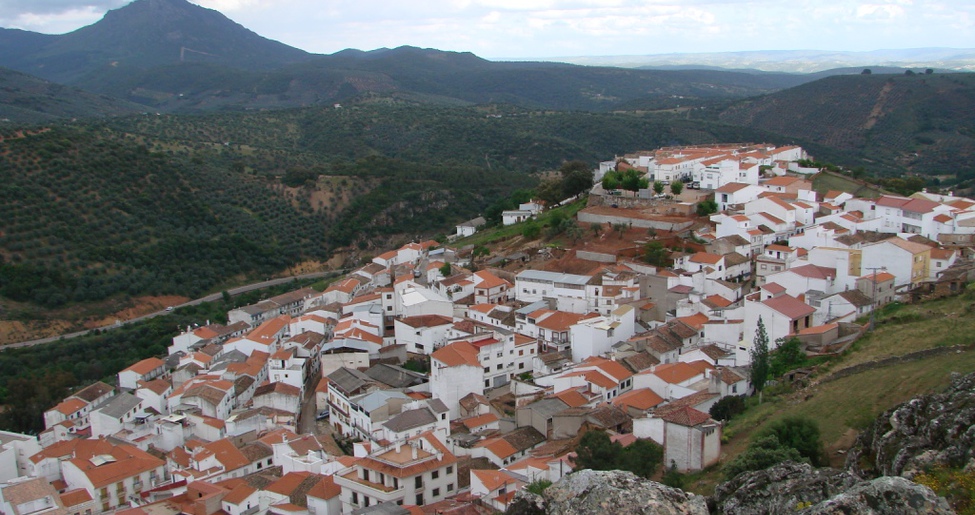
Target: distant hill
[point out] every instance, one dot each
(795, 61)
(920, 123)
(171, 55)
(143, 35)
(27, 99)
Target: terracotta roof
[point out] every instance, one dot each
(226, 454)
(560, 320)
(128, 461)
(499, 447)
(790, 306)
(685, 416)
(93, 391)
(239, 494)
(881, 277)
(70, 406)
(717, 301)
(457, 354)
(731, 187)
(612, 368)
(145, 366)
(910, 246)
(675, 373)
(572, 398)
(75, 497)
(480, 420)
(642, 399)
(819, 329)
(325, 488)
(493, 479)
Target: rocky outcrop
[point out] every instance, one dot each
(798, 488)
(883, 496)
(783, 488)
(601, 492)
(937, 429)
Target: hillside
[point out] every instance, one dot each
(180, 205)
(172, 55)
(27, 99)
(144, 34)
(920, 123)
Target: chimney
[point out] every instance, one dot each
(413, 447)
(399, 445)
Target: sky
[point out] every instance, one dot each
(497, 29)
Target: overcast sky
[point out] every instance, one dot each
(554, 28)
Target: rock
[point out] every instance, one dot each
(620, 493)
(526, 503)
(798, 488)
(783, 488)
(883, 496)
(936, 429)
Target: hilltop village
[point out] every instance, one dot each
(454, 379)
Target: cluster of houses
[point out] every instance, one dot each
(453, 389)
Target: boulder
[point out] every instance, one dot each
(884, 496)
(591, 492)
(783, 488)
(936, 429)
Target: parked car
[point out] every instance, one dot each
(322, 415)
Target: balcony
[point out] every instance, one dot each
(378, 491)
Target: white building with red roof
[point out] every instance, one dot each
(416, 472)
(782, 315)
(422, 334)
(489, 288)
(595, 336)
(145, 370)
(115, 475)
(690, 438)
(598, 376)
(495, 488)
(456, 371)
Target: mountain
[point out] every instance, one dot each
(142, 35)
(795, 61)
(171, 55)
(27, 99)
(920, 123)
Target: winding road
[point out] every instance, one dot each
(209, 298)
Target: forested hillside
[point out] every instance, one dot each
(918, 123)
(180, 205)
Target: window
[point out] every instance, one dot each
(487, 370)
(521, 366)
(487, 384)
(355, 498)
(436, 492)
(418, 482)
(521, 352)
(450, 469)
(499, 366)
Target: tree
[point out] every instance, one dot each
(908, 72)
(597, 452)
(658, 187)
(760, 359)
(787, 356)
(656, 254)
(866, 71)
(596, 228)
(928, 71)
(642, 458)
(572, 230)
(707, 207)
(799, 433)
(727, 407)
(761, 454)
(576, 178)
(676, 187)
(620, 228)
(445, 270)
(531, 231)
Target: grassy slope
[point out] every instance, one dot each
(846, 405)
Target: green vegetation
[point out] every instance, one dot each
(760, 359)
(886, 123)
(539, 486)
(727, 407)
(763, 453)
(597, 452)
(956, 485)
(629, 179)
(33, 379)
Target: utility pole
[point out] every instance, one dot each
(873, 307)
